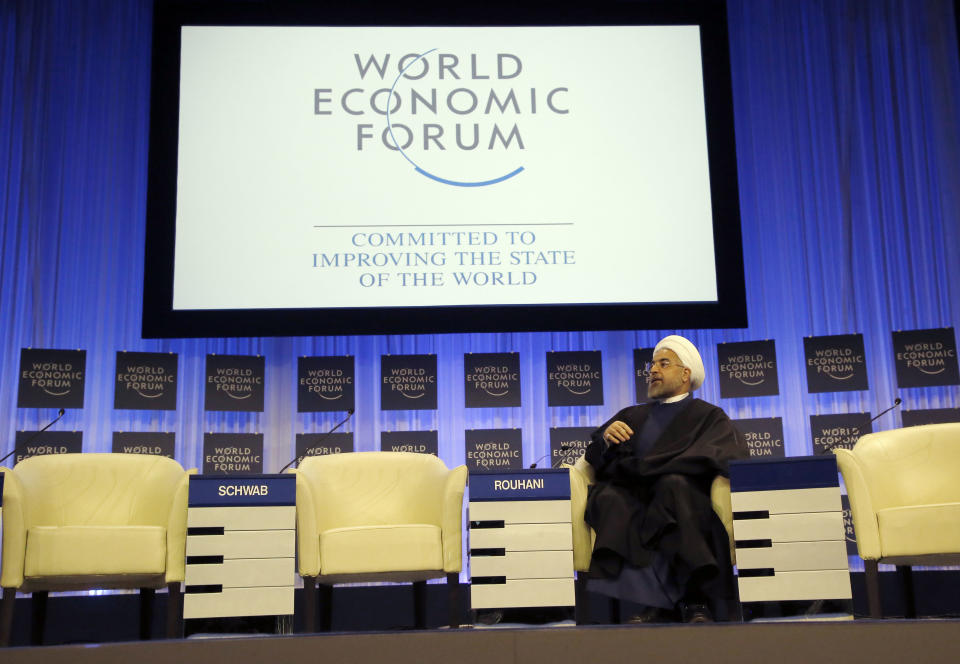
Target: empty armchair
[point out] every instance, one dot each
(378, 516)
(84, 521)
(905, 501)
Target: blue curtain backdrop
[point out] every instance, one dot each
(847, 117)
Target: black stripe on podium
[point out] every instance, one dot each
(479, 525)
(488, 580)
(198, 590)
(754, 544)
(759, 571)
(204, 560)
(206, 530)
(479, 553)
(744, 516)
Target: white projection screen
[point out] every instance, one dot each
(320, 171)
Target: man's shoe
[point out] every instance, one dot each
(653, 615)
(696, 613)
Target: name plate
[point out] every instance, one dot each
(806, 472)
(526, 484)
(248, 490)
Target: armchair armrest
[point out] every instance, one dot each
(723, 508)
(14, 531)
(308, 539)
(583, 535)
(451, 525)
(861, 505)
(177, 532)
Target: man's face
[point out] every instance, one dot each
(668, 378)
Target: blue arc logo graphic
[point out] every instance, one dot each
(396, 143)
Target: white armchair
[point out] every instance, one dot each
(905, 501)
(82, 521)
(378, 516)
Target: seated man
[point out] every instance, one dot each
(659, 543)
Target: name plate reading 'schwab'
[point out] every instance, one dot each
(258, 490)
(241, 546)
(527, 484)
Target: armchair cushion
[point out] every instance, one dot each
(919, 530)
(69, 551)
(399, 548)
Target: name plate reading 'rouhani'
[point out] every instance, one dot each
(256, 490)
(527, 484)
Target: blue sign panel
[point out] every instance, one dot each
(246, 490)
(526, 484)
(806, 472)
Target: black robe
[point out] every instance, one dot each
(659, 503)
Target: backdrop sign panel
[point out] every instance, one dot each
(51, 378)
(145, 381)
(574, 378)
(913, 418)
(567, 444)
(422, 442)
(641, 357)
(232, 453)
(841, 430)
(158, 443)
(408, 382)
(748, 369)
(48, 442)
(764, 436)
(835, 363)
(321, 444)
(926, 358)
(325, 384)
(234, 382)
(493, 449)
(491, 380)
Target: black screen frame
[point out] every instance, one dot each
(161, 320)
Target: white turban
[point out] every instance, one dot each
(688, 354)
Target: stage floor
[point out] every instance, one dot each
(894, 641)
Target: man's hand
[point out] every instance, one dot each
(618, 432)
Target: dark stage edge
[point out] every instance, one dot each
(870, 641)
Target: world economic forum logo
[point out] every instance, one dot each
(422, 171)
(458, 119)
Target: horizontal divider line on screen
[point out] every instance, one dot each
(753, 544)
(204, 560)
(212, 530)
(480, 525)
(544, 223)
(481, 553)
(200, 590)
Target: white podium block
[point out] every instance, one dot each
(241, 543)
(521, 539)
(788, 527)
